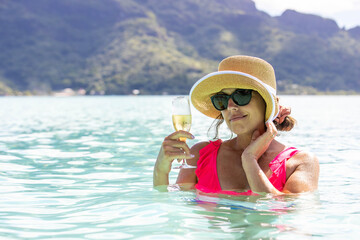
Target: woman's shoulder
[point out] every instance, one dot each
(297, 157)
(304, 160)
(297, 154)
(200, 145)
(305, 157)
(302, 172)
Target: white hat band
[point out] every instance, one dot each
(270, 89)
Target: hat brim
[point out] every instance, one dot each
(212, 83)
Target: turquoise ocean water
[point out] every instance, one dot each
(81, 168)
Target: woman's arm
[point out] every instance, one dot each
(257, 179)
(171, 148)
(187, 177)
(304, 178)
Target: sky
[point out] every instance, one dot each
(345, 12)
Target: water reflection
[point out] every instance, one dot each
(255, 217)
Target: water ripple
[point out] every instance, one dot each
(81, 168)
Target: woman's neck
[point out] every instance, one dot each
(243, 140)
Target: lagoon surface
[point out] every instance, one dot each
(81, 168)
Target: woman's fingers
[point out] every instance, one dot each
(180, 134)
(268, 136)
(271, 130)
(174, 148)
(260, 143)
(170, 145)
(179, 155)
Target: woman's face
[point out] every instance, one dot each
(244, 119)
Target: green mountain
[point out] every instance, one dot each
(164, 46)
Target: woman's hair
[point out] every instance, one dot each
(216, 125)
(288, 124)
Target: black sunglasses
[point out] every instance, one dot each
(240, 97)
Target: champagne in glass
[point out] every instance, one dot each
(181, 117)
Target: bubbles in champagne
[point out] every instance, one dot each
(182, 122)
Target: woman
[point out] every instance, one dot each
(243, 94)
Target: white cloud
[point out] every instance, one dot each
(345, 12)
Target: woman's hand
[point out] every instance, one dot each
(260, 143)
(257, 179)
(173, 148)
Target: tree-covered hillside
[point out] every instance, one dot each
(163, 46)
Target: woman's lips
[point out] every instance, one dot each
(236, 118)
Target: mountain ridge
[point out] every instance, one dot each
(164, 47)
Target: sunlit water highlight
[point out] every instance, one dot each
(81, 168)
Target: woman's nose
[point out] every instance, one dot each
(232, 105)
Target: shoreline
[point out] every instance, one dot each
(69, 92)
(335, 93)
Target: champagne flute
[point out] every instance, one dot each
(181, 117)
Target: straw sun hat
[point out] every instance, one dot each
(237, 72)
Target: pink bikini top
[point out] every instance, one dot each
(208, 180)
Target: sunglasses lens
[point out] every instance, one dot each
(242, 97)
(220, 101)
